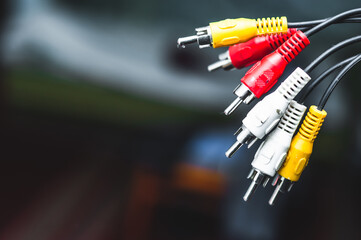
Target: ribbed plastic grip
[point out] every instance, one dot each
(290, 87)
(312, 123)
(293, 46)
(271, 25)
(247, 53)
(276, 40)
(292, 117)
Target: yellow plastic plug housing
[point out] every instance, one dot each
(302, 145)
(299, 153)
(232, 31)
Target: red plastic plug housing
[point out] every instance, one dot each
(265, 73)
(245, 54)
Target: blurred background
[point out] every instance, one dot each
(111, 132)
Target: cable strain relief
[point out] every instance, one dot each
(293, 84)
(312, 123)
(271, 25)
(292, 117)
(276, 40)
(293, 46)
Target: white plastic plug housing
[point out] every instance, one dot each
(266, 114)
(273, 151)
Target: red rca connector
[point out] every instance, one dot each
(265, 73)
(244, 54)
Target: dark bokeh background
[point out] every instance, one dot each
(111, 132)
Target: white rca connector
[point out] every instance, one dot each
(273, 151)
(265, 115)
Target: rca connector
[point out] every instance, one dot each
(265, 115)
(244, 54)
(272, 152)
(232, 31)
(299, 152)
(264, 74)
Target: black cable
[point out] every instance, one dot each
(316, 22)
(303, 29)
(334, 83)
(309, 88)
(332, 20)
(331, 50)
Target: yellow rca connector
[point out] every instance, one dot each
(299, 152)
(232, 31)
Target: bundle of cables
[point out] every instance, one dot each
(270, 44)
